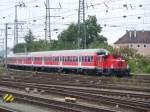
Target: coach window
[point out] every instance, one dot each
(57, 58)
(37, 59)
(89, 58)
(31, 58)
(40, 59)
(86, 58)
(76, 59)
(62, 58)
(70, 58)
(51, 58)
(45, 58)
(82, 58)
(73, 58)
(65, 58)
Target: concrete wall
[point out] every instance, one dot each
(143, 49)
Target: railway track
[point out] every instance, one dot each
(49, 88)
(53, 104)
(73, 82)
(141, 79)
(89, 95)
(3, 109)
(87, 88)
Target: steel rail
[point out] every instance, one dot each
(135, 104)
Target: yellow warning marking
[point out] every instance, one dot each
(5, 96)
(8, 97)
(12, 99)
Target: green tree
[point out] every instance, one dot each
(19, 48)
(29, 38)
(68, 39)
(93, 31)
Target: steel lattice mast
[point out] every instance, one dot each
(47, 21)
(81, 25)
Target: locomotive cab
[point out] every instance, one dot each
(110, 65)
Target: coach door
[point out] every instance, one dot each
(60, 61)
(79, 61)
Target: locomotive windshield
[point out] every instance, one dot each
(102, 52)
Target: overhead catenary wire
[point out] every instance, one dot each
(99, 6)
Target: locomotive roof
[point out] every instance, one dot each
(62, 52)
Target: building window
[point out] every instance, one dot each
(138, 45)
(145, 46)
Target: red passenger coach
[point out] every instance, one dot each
(98, 61)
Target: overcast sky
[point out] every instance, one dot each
(108, 12)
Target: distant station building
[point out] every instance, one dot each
(139, 40)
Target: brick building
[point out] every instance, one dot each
(139, 40)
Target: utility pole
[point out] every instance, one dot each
(48, 20)
(2, 46)
(16, 26)
(81, 25)
(22, 4)
(6, 34)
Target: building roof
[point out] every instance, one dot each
(134, 37)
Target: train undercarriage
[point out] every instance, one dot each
(85, 71)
